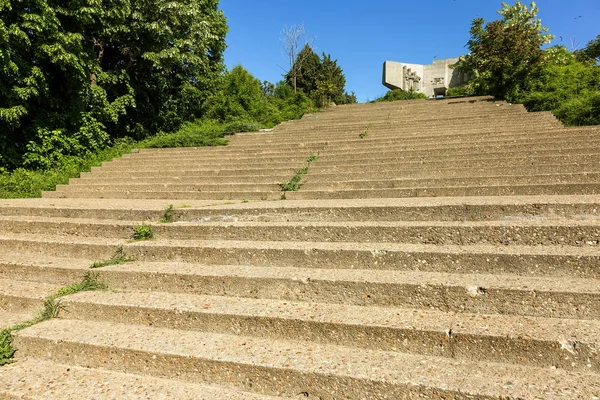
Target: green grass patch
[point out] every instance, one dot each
(142, 232)
(51, 309)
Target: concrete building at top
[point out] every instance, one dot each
(432, 79)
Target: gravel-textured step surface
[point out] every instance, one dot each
(433, 249)
(33, 379)
(476, 337)
(284, 367)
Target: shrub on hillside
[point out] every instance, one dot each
(397, 94)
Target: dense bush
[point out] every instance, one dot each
(240, 105)
(571, 92)
(77, 75)
(466, 90)
(397, 94)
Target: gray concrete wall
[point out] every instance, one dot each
(430, 79)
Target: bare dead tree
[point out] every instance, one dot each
(293, 39)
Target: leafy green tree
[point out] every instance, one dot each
(307, 72)
(322, 79)
(591, 52)
(77, 74)
(504, 53)
(571, 91)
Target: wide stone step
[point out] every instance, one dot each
(9, 319)
(50, 270)
(471, 152)
(361, 151)
(32, 378)
(118, 177)
(191, 171)
(171, 195)
(409, 139)
(310, 183)
(549, 232)
(552, 297)
(17, 296)
(389, 172)
(473, 337)
(450, 191)
(286, 367)
(168, 187)
(476, 258)
(401, 142)
(406, 209)
(180, 164)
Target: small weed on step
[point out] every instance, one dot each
(142, 232)
(294, 184)
(118, 258)
(168, 215)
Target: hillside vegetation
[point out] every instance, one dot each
(507, 59)
(82, 85)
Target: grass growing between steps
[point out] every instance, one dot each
(167, 217)
(293, 185)
(142, 232)
(118, 258)
(51, 309)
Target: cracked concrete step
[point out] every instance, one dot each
(35, 379)
(477, 258)
(287, 368)
(18, 296)
(551, 297)
(526, 208)
(543, 342)
(528, 233)
(154, 195)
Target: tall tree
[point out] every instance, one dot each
(76, 73)
(294, 39)
(591, 52)
(504, 53)
(322, 79)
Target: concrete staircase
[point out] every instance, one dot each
(445, 250)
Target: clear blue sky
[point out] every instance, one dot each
(362, 34)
